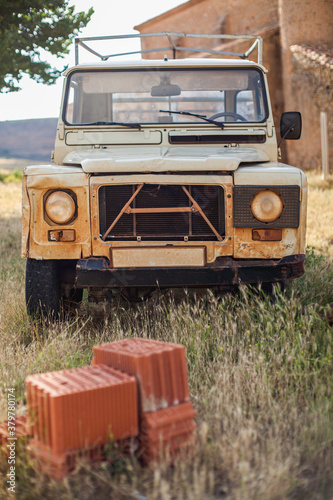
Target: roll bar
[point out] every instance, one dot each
(172, 38)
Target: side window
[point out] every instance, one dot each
(70, 105)
(87, 108)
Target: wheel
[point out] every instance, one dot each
(233, 115)
(42, 288)
(49, 289)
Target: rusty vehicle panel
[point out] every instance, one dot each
(40, 244)
(165, 173)
(213, 249)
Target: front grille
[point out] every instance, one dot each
(243, 217)
(161, 226)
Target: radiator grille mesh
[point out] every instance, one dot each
(161, 226)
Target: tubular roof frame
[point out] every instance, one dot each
(257, 43)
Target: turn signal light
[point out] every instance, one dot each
(62, 235)
(267, 234)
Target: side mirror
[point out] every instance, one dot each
(291, 125)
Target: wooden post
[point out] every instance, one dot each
(324, 144)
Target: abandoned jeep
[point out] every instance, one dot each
(165, 174)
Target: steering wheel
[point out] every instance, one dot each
(234, 115)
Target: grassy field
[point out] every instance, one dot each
(260, 377)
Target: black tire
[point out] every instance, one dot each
(42, 288)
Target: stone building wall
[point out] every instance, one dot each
(311, 84)
(307, 84)
(215, 16)
(294, 85)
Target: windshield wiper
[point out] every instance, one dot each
(202, 117)
(121, 124)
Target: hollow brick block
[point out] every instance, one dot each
(166, 432)
(60, 465)
(159, 367)
(78, 409)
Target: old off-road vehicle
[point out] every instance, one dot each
(165, 174)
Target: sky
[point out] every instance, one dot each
(111, 17)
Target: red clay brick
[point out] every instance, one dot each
(60, 465)
(167, 431)
(74, 409)
(160, 369)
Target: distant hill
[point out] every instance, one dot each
(29, 139)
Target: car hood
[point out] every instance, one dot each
(164, 159)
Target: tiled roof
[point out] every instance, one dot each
(314, 55)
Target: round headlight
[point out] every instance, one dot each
(267, 206)
(60, 207)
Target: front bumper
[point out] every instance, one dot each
(225, 271)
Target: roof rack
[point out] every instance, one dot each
(172, 39)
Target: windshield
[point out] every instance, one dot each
(165, 96)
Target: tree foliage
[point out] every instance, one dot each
(27, 27)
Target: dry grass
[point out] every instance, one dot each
(260, 378)
(320, 214)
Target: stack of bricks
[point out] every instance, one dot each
(166, 413)
(75, 412)
(135, 387)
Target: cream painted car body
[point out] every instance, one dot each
(87, 157)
